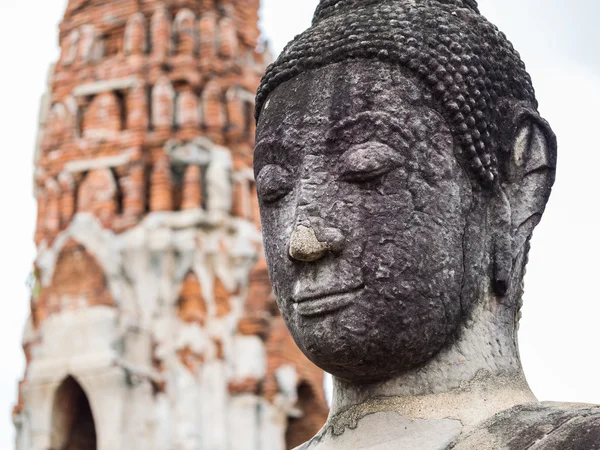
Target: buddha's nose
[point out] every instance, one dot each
(308, 244)
(304, 245)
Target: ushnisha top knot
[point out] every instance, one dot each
(471, 70)
(329, 7)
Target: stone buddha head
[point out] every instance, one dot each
(401, 167)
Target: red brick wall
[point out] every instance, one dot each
(78, 282)
(172, 71)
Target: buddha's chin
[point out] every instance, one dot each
(359, 355)
(358, 336)
(358, 368)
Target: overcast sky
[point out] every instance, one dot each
(559, 41)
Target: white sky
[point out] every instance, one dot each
(559, 42)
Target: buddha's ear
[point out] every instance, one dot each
(529, 173)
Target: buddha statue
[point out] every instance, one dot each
(401, 166)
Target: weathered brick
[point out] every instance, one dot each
(134, 79)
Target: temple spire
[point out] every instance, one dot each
(151, 290)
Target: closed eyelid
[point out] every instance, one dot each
(383, 151)
(269, 168)
(273, 182)
(368, 160)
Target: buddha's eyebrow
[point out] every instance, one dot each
(264, 145)
(277, 150)
(280, 143)
(374, 122)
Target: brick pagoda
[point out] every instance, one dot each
(152, 323)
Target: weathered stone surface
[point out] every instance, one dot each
(391, 430)
(153, 324)
(401, 167)
(350, 174)
(541, 426)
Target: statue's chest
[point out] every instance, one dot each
(390, 431)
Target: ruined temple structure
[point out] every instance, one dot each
(152, 324)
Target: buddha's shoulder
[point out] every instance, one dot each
(540, 426)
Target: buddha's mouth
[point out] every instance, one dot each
(325, 303)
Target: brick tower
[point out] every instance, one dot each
(152, 323)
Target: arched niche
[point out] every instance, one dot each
(239, 114)
(73, 426)
(301, 429)
(160, 32)
(163, 97)
(185, 34)
(207, 27)
(99, 194)
(78, 282)
(192, 189)
(213, 111)
(136, 39)
(104, 116)
(187, 113)
(90, 46)
(228, 43)
(161, 186)
(69, 47)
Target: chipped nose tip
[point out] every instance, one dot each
(304, 245)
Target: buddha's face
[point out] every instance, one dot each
(363, 205)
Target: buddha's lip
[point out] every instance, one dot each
(320, 304)
(311, 296)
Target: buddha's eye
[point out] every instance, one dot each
(366, 162)
(273, 182)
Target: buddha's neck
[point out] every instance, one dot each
(477, 376)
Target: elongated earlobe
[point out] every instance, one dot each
(502, 244)
(520, 200)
